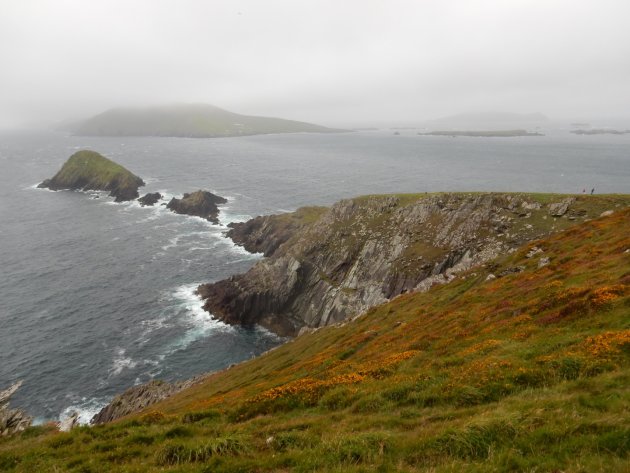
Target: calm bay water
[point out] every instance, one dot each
(97, 296)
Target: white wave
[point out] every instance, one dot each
(121, 362)
(85, 407)
(172, 243)
(198, 322)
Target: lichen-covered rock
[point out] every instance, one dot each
(12, 420)
(558, 209)
(89, 170)
(199, 204)
(326, 265)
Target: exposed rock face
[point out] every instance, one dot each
(558, 209)
(138, 397)
(199, 204)
(150, 199)
(88, 170)
(266, 233)
(362, 252)
(12, 420)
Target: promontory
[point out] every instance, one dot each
(89, 170)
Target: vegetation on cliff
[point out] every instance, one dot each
(524, 372)
(89, 170)
(187, 120)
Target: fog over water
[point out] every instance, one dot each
(349, 63)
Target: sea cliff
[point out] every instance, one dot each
(324, 265)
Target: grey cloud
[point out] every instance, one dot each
(333, 62)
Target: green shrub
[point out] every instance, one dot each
(338, 398)
(173, 454)
(8, 461)
(191, 417)
(178, 432)
(474, 441)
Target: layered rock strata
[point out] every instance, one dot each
(341, 261)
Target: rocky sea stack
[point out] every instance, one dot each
(198, 204)
(150, 199)
(89, 170)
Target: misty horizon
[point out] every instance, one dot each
(340, 65)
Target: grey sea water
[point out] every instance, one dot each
(97, 296)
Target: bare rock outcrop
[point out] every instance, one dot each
(139, 397)
(12, 420)
(199, 204)
(361, 252)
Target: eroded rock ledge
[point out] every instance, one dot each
(139, 397)
(326, 265)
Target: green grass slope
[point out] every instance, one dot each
(187, 120)
(89, 170)
(526, 372)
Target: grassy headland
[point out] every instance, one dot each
(524, 372)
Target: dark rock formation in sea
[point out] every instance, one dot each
(325, 265)
(89, 170)
(150, 199)
(199, 204)
(12, 420)
(139, 397)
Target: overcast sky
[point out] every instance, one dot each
(338, 62)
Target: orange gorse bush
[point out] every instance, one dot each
(604, 295)
(607, 343)
(481, 347)
(310, 389)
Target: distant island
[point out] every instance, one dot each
(489, 121)
(89, 170)
(484, 134)
(600, 131)
(187, 120)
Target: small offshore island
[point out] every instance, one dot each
(88, 170)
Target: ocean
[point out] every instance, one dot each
(97, 296)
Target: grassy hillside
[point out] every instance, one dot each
(187, 120)
(525, 372)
